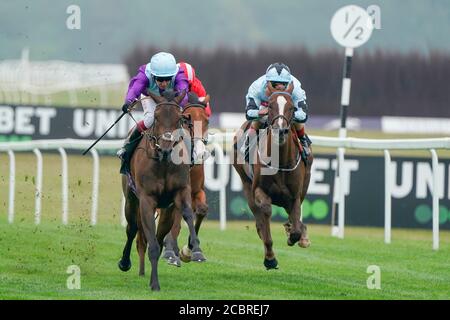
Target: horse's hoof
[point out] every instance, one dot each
(293, 239)
(155, 287)
(174, 261)
(141, 274)
(124, 266)
(185, 254)
(271, 264)
(304, 243)
(169, 255)
(198, 257)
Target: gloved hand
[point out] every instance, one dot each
(125, 107)
(263, 112)
(300, 115)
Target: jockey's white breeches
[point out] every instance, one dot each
(149, 106)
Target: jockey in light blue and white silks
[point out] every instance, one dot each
(279, 75)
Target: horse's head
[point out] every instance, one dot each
(196, 112)
(280, 111)
(168, 120)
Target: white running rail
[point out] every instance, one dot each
(218, 140)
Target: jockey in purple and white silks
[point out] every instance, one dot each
(161, 74)
(279, 75)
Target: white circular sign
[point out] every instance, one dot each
(351, 26)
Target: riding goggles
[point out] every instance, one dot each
(275, 83)
(163, 79)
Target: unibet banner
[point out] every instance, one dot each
(41, 122)
(364, 200)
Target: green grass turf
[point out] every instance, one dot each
(34, 260)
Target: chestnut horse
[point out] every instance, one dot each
(197, 114)
(281, 179)
(198, 120)
(158, 182)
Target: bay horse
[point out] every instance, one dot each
(283, 184)
(195, 112)
(157, 182)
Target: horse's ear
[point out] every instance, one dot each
(158, 99)
(290, 88)
(205, 100)
(180, 97)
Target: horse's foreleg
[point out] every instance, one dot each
(294, 227)
(183, 201)
(147, 209)
(262, 210)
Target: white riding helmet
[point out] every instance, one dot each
(278, 72)
(162, 64)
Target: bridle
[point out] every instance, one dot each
(166, 136)
(270, 127)
(190, 125)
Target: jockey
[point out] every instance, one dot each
(257, 98)
(162, 73)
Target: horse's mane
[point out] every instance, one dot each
(170, 95)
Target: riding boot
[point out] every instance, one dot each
(127, 150)
(305, 142)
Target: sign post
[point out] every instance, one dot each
(351, 27)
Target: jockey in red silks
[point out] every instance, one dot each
(195, 85)
(161, 74)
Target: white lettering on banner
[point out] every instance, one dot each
(418, 175)
(23, 120)
(105, 119)
(317, 175)
(406, 184)
(83, 122)
(223, 174)
(422, 175)
(18, 120)
(349, 165)
(424, 180)
(96, 122)
(6, 119)
(45, 115)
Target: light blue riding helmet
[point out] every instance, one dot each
(278, 72)
(162, 64)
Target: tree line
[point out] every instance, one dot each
(383, 82)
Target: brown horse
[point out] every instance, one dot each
(159, 183)
(198, 119)
(280, 180)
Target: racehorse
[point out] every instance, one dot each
(284, 183)
(157, 182)
(198, 120)
(195, 111)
